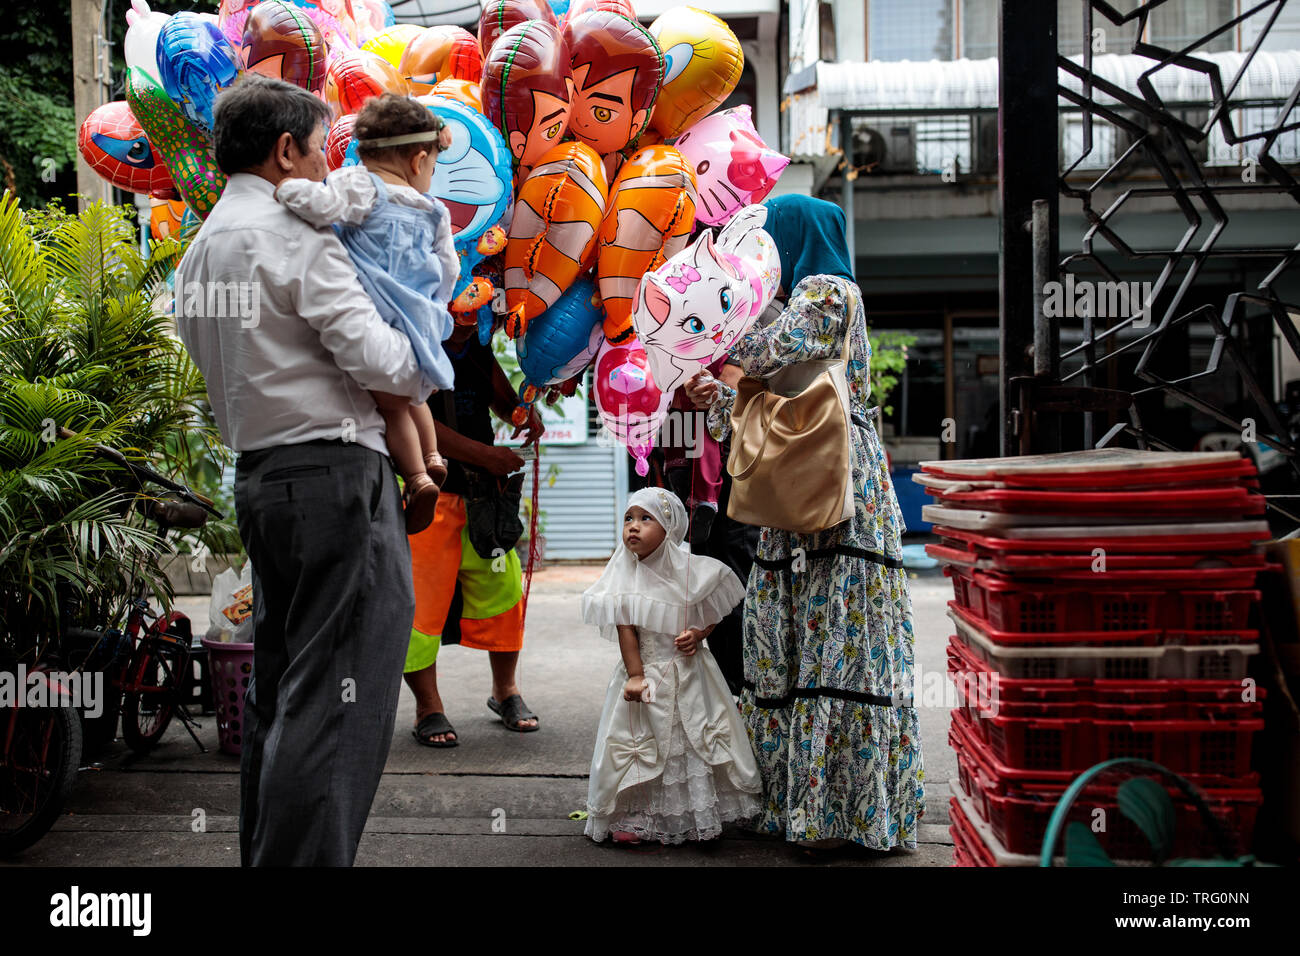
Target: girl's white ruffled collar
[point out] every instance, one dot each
(667, 592)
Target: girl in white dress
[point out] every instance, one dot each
(672, 759)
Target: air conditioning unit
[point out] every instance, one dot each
(886, 149)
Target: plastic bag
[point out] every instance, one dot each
(230, 609)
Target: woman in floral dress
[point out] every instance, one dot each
(828, 684)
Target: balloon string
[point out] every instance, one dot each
(532, 535)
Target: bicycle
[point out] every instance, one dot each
(41, 746)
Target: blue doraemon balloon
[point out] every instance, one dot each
(195, 63)
(473, 179)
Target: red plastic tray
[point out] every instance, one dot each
(951, 551)
(1069, 474)
(968, 850)
(1162, 579)
(1149, 637)
(981, 697)
(1172, 540)
(1204, 748)
(1018, 812)
(1042, 608)
(1221, 502)
(988, 684)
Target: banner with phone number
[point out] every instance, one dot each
(566, 424)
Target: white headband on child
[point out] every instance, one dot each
(429, 136)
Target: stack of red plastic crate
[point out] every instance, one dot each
(1103, 607)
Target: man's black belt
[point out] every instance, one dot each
(857, 697)
(783, 564)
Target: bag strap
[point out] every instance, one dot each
(850, 314)
(747, 470)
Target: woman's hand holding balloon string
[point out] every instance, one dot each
(703, 389)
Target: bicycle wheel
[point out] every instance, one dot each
(37, 771)
(154, 676)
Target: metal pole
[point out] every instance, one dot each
(1027, 170)
(949, 385)
(1041, 237)
(90, 88)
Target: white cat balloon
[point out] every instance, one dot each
(698, 304)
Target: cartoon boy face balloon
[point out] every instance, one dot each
(617, 71)
(282, 43)
(692, 309)
(528, 89)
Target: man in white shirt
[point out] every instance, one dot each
(272, 312)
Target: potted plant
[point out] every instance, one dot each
(84, 346)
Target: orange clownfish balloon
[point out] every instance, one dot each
(553, 232)
(704, 61)
(648, 219)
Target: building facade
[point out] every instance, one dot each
(891, 107)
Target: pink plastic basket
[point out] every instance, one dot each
(231, 665)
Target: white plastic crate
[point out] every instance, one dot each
(1172, 662)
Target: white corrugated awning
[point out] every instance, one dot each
(429, 13)
(465, 13)
(973, 84)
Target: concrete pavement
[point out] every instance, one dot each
(500, 798)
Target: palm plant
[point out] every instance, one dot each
(83, 346)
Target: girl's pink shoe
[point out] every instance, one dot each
(619, 836)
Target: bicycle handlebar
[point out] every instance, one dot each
(146, 473)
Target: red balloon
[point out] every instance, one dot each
(338, 140)
(630, 405)
(113, 144)
(500, 15)
(528, 89)
(579, 7)
(355, 77)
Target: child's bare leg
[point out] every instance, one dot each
(403, 440)
(401, 436)
(428, 436)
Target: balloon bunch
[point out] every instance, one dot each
(586, 149)
(159, 140)
(598, 113)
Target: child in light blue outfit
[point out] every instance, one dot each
(399, 238)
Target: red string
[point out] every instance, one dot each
(532, 535)
(690, 530)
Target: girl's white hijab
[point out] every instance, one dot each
(668, 590)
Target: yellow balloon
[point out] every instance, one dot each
(702, 66)
(390, 43)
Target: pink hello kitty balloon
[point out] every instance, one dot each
(733, 166)
(630, 406)
(691, 310)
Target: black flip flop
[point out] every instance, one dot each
(511, 711)
(432, 725)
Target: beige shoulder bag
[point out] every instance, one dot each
(789, 460)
